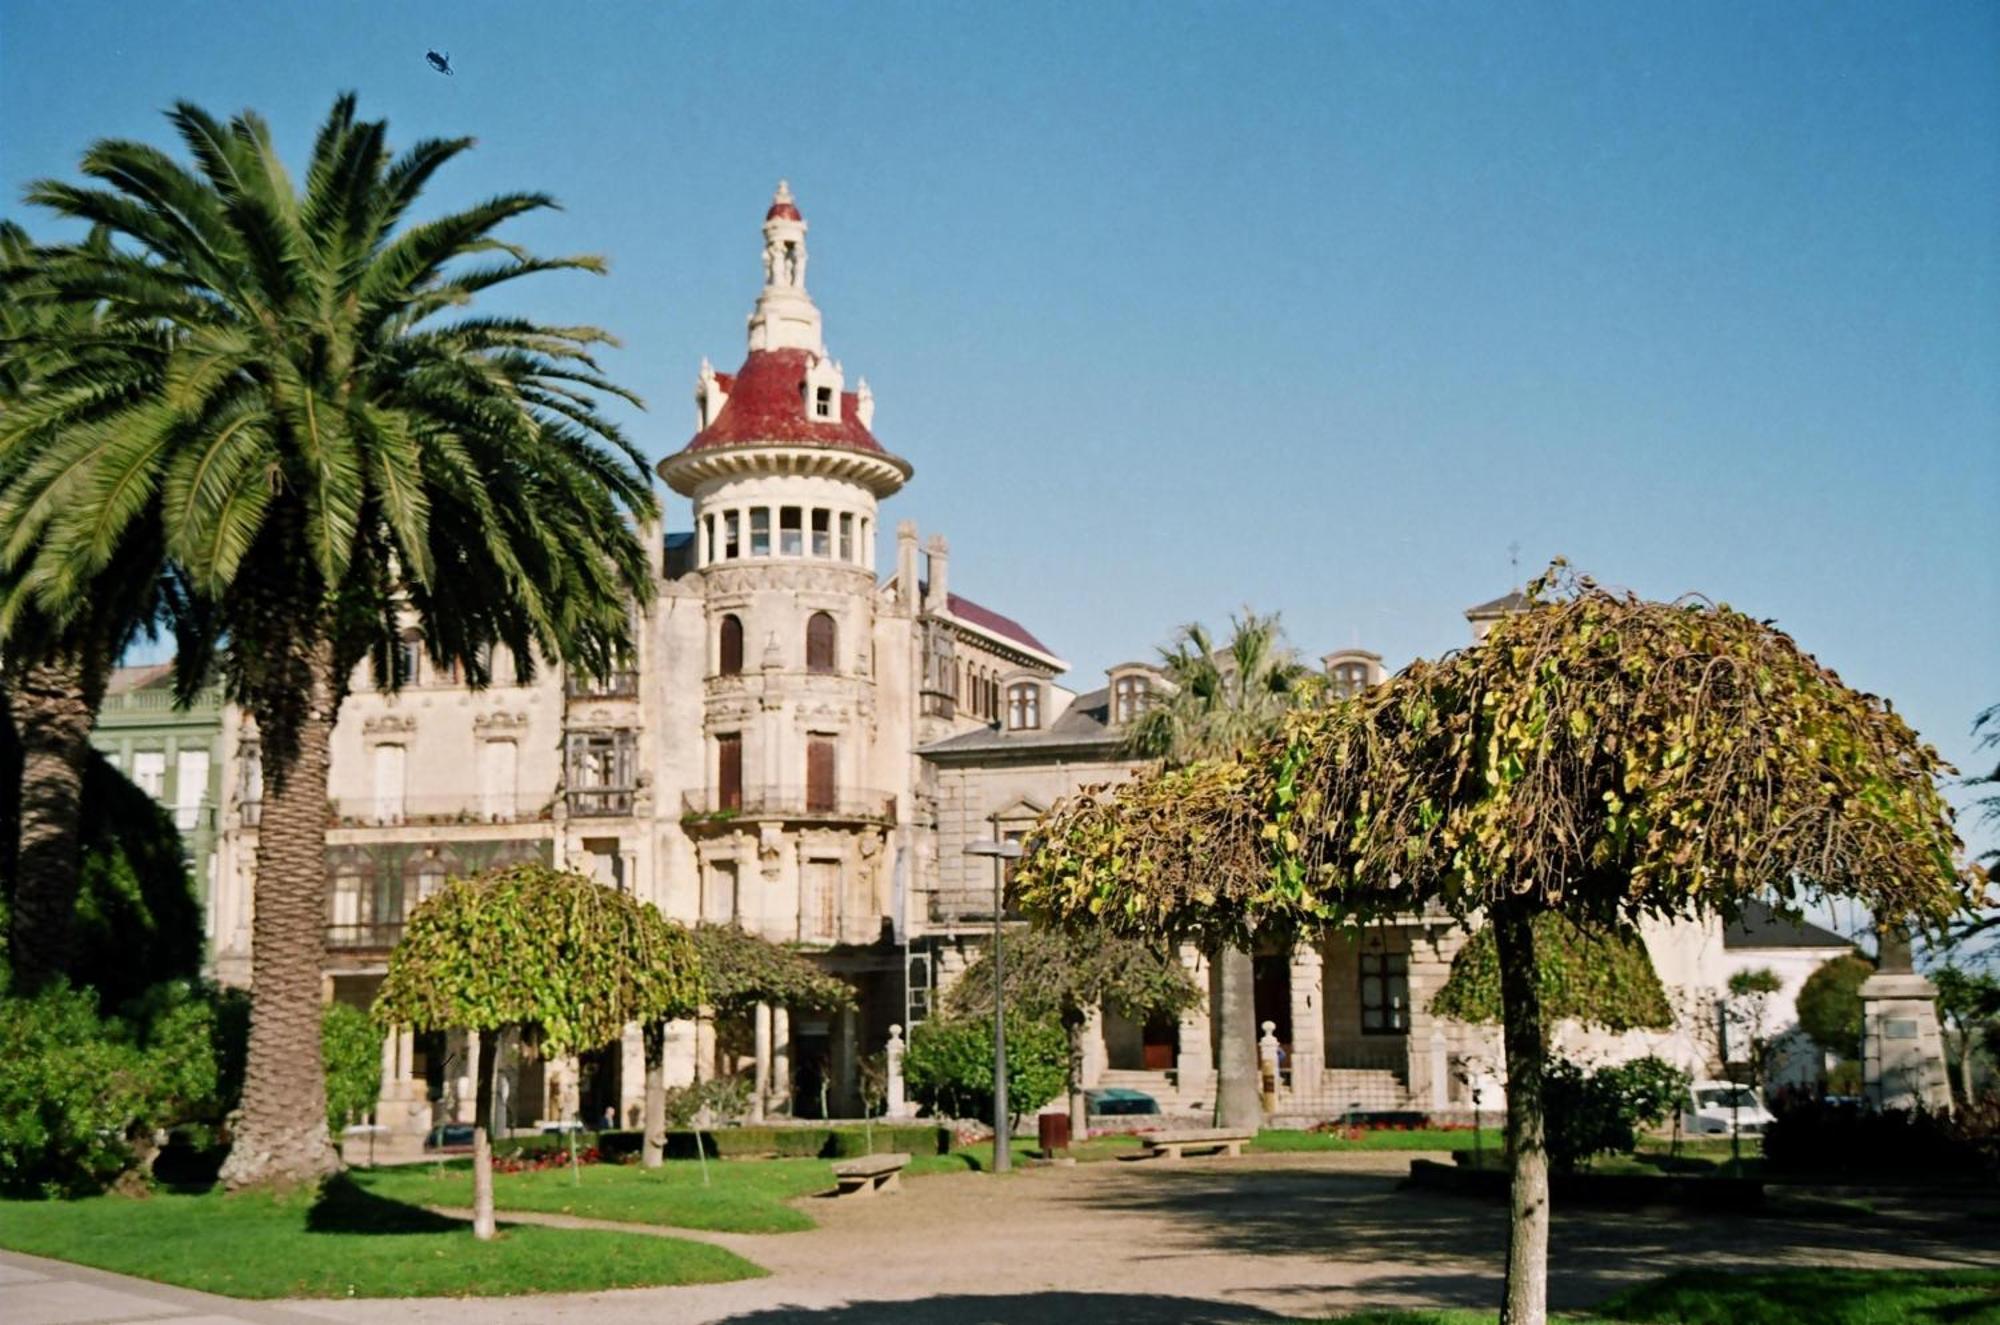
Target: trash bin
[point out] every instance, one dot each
(1054, 1132)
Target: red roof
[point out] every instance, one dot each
(989, 620)
(784, 209)
(766, 404)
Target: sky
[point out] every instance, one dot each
(1360, 312)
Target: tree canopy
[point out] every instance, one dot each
(740, 970)
(1598, 754)
(533, 945)
(1830, 1004)
(1058, 974)
(1600, 978)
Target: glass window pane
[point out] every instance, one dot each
(822, 540)
(790, 537)
(760, 532)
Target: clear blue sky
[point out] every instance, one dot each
(1317, 308)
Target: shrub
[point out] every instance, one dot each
(825, 1142)
(1830, 1004)
(1600, 1112)
(1819, 1137)
(351, 1044)
(83, 1096)
(949, 1066)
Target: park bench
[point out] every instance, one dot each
(1207, 1140)
(870, 1174)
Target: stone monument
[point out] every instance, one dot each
(1902, 1050)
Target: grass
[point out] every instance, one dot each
(741, 1195)
(347, 1242)
(1785, 1297)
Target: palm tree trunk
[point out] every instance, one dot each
(653, 1149)
(1527, 1290)
(483, 1223)
(282, 1136)
(51, 705)
(1239, 1099)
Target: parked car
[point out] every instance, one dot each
(1716, 1106)
(1119, 1100)
(449, 1136)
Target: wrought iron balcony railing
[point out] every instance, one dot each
(835, 805)
(364, 936)
(618, 685)
(418, 811)
(600, 802)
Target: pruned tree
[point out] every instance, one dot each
(1601, 978)
(534, 946)
(1830, 1004)
(1969, 1002)
(1598, 755)
(1066, 975)
(739, 970)
(1750, 995)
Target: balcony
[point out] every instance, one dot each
(791, 804)
(618, 685)
(366, 936)
(957, 907)
(419, 811)
(600, 802)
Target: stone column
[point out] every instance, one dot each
(1440, 1072)
(1267, 1064)
(1195, 1063)
(464, 1101)
(704, 1046)
(781, 1059)
(847, 1065)
(897, 1106)
(760, 1088)
(1308, 1019)
(1096, 1058)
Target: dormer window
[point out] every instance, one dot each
(1129, 697)
(1024, 706)
(1351, 671)
(823, 402)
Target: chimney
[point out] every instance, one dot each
(938, 594)
(906, 564)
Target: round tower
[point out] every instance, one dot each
(785, 477)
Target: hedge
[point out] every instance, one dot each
(817, 1142)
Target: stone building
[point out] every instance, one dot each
(805, 746)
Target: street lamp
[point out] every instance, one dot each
(1001, 851)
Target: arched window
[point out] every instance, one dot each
(819, 642)
(1130, 699)
(1024, 706)
(730, 662)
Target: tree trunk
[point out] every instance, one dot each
(282, 1138)
(1527, 1289)
(1239, 1097)
(483, 1226)
(653, 1149)
(1079, 1102)
(52, 711)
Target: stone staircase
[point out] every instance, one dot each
(1160, 1086)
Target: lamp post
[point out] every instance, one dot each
(1001, 851)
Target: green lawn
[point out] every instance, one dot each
(740, 1196)
(349, 1242)
(1787, 1297)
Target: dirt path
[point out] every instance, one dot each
(1202, 1243)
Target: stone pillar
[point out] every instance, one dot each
(1096, 1058)
(704, 1046)
(760, 1089)
(1440, 1071)
(1308, 1019)
(1902, 1051)
(781, 1059)
(464, 1101)
(1195, 1064)
(897, 1105)
(847, 1065)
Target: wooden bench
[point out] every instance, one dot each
(870, 1174)
(1206, 1140)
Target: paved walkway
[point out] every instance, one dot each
(1202, 1243)
(34, 1291)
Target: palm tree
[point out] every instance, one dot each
(1221, 701)
(54, 669)
(332, 459)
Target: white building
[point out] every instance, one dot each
(806, 745)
